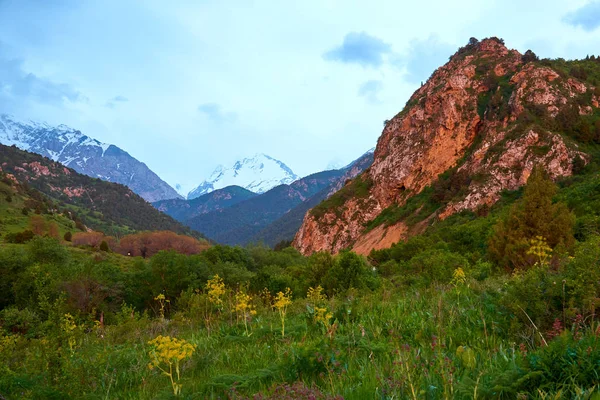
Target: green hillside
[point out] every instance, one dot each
(102, 206)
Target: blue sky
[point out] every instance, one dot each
(187, 85)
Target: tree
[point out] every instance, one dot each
(104, 246)
(529, 56)
(534, 215)
(53, 230)
(68, 236)
(37, 224)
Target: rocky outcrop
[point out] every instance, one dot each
(478, 117)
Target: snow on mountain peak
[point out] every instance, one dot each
(84, 154)
(34, 136)
(258, 174)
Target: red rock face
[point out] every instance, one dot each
(442, 127)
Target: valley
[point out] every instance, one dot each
(458, 259)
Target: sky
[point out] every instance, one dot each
(186, 85)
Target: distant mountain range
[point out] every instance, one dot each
(85, 155)
(182, 210)
(236, 216)
(256, 174)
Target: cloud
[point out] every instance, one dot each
(369, 90)
(423, 57)
(214, 112)
(117, 99)
(587, 17)
(16, 82)
(359, 48)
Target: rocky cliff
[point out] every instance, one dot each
(476, 127)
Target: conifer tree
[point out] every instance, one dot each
(534, 215)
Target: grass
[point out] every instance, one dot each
(437, 342)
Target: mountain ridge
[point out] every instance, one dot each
(84, 154)
(258, 174)
(243, 222)
(475, 128)
(109, 207)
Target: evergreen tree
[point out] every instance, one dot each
(534, 215)
(104, 246)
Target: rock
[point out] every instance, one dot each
(465, 119)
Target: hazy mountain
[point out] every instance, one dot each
(257, 174)
(243, 222)
(85, 155)
(183, 210)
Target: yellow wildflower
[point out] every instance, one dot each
(166, 353)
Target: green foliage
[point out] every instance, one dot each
(349, 270)
(358, 188)
(47, 250)
(494, 102)
(104, 246)
(535, 215)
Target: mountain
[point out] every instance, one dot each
(102, 206)
(183, 210)
(476, 128)
(257, 174)
(286, 226)
(85, 155)
(240, 222)
(243, 222)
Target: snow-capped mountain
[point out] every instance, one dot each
(85, 155)
(257, 174)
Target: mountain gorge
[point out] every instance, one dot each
(477, 127)
(234, 215)
(85, 155)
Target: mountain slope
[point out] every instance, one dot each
(257, 174)
(85, 155)
(285, 227)
(103, 206)
(183, 210)
(239, 223)
(475, 128)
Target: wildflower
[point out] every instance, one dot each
(322, 316)
(161, 305)
(459, 278)
(216, 290)
(282, 301)
(540, 249)
(69, 326)
(315, 296)
(244, 308)
(167, 353)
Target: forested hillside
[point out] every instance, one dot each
(108, 207)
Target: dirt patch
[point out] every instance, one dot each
(380, 238)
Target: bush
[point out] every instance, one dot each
(349, 271)
(104, 246)
(47, 250)
(19, 237)
(435, 265)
